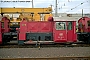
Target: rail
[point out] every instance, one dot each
(55, 58)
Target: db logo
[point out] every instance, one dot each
(60, 34)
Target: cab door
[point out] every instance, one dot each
(69, 31)
(60, 32)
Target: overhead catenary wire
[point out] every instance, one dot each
(78, 6)
(60, 8)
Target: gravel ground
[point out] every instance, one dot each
(44, 52)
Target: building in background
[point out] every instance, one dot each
(65, 16)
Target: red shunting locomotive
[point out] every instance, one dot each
(84, 29)
(51, 31)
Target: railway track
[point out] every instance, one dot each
(10, 45)
(56, 58)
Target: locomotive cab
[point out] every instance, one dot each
(64, 31)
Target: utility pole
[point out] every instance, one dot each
(51, 7)
(32, 4)
(56, 15)
(82, 12)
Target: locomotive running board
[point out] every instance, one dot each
(41, 42)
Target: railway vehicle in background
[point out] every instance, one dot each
(15, 15)
(44, 32)
(84, 29)
(6, 34)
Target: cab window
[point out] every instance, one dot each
(69, 25)
(60, 25)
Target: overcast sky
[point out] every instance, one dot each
(64, 6)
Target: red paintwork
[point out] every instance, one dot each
(74, 32)
(46, 27)
(3, 30)
(23, 27)
(0, 38)
(6, 24)
(50, 19)
(71, 34)
(60, 36)
(23, 30)
(22, 36)
(0, 27)
(85, 27)
(33, 26)
(0, 34)
(65, 35)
